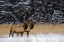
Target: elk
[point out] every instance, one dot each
(21, 29)
(18, 29)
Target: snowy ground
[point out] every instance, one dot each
(34, 38)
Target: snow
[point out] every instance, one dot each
(8, 4)
(23, 2)
(34, 38)
(2, 1)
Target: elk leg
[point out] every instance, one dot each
(21, 34)
(12, 34)
(27, 33)
(9, 34)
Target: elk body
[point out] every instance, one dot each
(18, 29)
(21, 29)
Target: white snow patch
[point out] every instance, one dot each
(34, 38)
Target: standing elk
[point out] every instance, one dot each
(18, 29)
(21, 29)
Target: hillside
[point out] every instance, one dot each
(43, 29)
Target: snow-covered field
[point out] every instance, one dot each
(34, 38)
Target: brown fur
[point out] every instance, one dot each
(21, 29)
(18, 29)
(31, 26)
